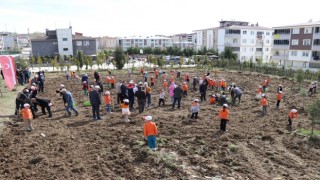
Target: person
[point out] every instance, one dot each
(185, 89)
(124, 92)
(293, 114)
(195, 108)
(85, 78)
(177, 95)
(129, 73)
(27, 116)
(44, 104)
(67, 74)
(99, 83)
(61, 94)
(95, 101)
(118, 88)
(315, 87)
(156, 73)
(141, 97)
(125, 110)
(178, 74)
(33, 91)
(222, 99)
(264, 86)
(148, 94)
(259, 93)
(171, 88)
(18, 103)
(237, 94)
(311, 86)
(151, 81)
(161, 97)
(107, 99)
(165, 84)
(145, 76)
(69, 102)
(85, 88)
(279, 98)
(2, 74)
(264, 104)
(131, 93)
(172, 79)
(224, 117)
(212, 99)
(203, 91)
(279, 88)
(96, 76)
(41, 79)
(112, 82)
(150, 131)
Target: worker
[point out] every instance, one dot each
(264, 104)
(150, 132)
(212, 99)
(279, 88)
(224, 117)
(44, 104)
(259, 92)
(279, 98)
(264, 86)
(125, 110)
(107, 99)
(195, 108)
(165, 84)
(27, 116)
(293, 114)
(151, 81)
(185, 89)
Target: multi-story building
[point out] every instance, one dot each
(107, 42)
(249, 42)
(143, 42)
(7, 41)
(297, 45)
(183, 41)
(62, 42)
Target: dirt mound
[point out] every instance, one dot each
(255, 147)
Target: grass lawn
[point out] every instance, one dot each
(307, 132)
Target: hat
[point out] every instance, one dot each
(131, 82)
(64, 90)
(126, 100)
(84, 82)
(61, 86)
(147, 118)
(97, 87)
(32, 88)
(145, 83)
(280, 85)
(107, 93)
(164, 80)
(184, 82)
(26, 105)
(263, 95)
(280, 92)
(26, 90)
(196, 100)
(294, 110)
(140, 83)
(225, 105)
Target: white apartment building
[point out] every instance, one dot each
(250, 42)
(184, 40)
(143, 42)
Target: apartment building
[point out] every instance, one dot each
(7, 41)
(184, 40)
(62, 42)
(297, 45)
(143, 42)
(248, 41)
(107, 42)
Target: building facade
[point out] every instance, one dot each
(7, 41)
(249, 42)
(106, 42)
(61, 42)
(161, 42)
(184, 40)
(297, 45)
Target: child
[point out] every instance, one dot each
(185, 89)
(212, 99)
(293, 114)
(27, 116)
(161, 97)
(112, 81)
(165, 84)
(85, 88)
(151, 81)
(264, 104)
(150, 131)
(107, 99)
(259, 92)
(125, 110)
(195, 108)
(224, 117)
(108, 81)
(279, 97)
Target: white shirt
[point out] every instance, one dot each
(161, 96)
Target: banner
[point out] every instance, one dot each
(9, 71)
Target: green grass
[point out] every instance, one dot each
(233, 147)
(307, 132)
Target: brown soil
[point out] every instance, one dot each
(255, 147)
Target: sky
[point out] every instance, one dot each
(148, 17)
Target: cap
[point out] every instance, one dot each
(84, 82)
(140, 83)
(63, 90)
(32, 87)
(147, 118)
(61, 86)
(280, 85)
(280, 92)
(294, 110)
(225, 105)
(126, 100)
(97, 87)
(131, 82)
(196, 100)
(107, 93)
(184, 82)
(263, 95)
(26, 105)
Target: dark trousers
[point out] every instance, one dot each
(161, 100)
(290, 122)
(194, 87)
(203, 96)
(141, 104)
(174, 102)
(119, 98)
(278, 103)
(185, 93)
(122, 97)
(223, 124)
(195, 115)
(18, 105)
(112, 85)
(96, 111)
(41, 87)
(152, 84)
(131, 101)
(235, 97)
(48, 109)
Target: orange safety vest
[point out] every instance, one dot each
(165, 84)
(212, 100)
(259, 91)
(26, 114)
(293, 115)
(184, 87)
(148, 90)
(150, 129)
(224, 114)
(107, 99)
(279, 96)
(264, 102)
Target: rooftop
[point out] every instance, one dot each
(315, 23)
(52, 38)
(238, 27)
(145, 37)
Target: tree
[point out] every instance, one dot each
(33, 60)
(181, 61)
(299, 77)
(106, 55)
(86, 62)
(147, 50)
(161, 62)
(119, 58)
(90, 61)
(228, 54)
(80, 58)
(100, 59)
(54, 63)
(314, 113)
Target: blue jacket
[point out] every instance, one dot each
(95, 98)
(68, 97)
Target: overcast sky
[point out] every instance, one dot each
(148, 17)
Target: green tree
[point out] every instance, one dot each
(33, 60)
(106, 56)
(181, 61)
(80, 58)
(299, 77)
(86, 62)
(314, 113)
(68, 66)
(147, 50)
(54, 64)
(157, 51)
(100, 59)
(160, 62)
(90, 61)
(119, 58)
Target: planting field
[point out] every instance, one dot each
(254, 147)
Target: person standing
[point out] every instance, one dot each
(141, 97)
(224, 117)
(148, 94)
(124, 92)
(69, 102)
(195, 108)
(194, 82)
(85, 88)
(41, 80)
(203, 91)
(125, 110)
(118, 88)
(279, 98)
(27, 116)
(177, 95)
(171, 88)
(185, 89)
(107, 99)
(264, 104)
(150, 131)
(95, 101)
(161, 97)
(131, 94)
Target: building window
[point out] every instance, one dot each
(307, 30)
(266, 49)
(64, 39)
(251, 49)
(235, 41)
(244, 32)
(267, 41)
(268, 33)
(86, 43)
(294, 53)
(79, 43)
(251, 41)
(305, 54)
(295, 42)
(316, 42)
(252, 32)
(55, 43)
(65, 49)
(306, 42)
(317, 30)
(281, 42)
(282, 31)
(295, 31)
(258, 49)
(244, 49)
(244, 41)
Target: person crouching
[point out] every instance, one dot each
(44, 104)
(150, 131)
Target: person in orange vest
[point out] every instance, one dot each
(165, 84)
(268, 81)
(279, 98)
(185, 89)
(27, 116)
(156, 72)
(172, 79)
(125, 110)
(220, 85)
(107, 99)
(224, 117)
(212, 99)
(293, 114)
(264, 104)
(150, 131)
(142, 71)
(195, 108)
(108, 81)
(151, 81)
(85, 88)
(112, 82)
(148, 95)
(264, 86)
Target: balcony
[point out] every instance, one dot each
(280, 57)
(258, 53)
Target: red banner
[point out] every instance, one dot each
(9, 71)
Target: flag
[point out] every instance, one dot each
(9, 71)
